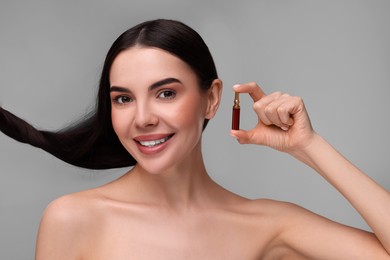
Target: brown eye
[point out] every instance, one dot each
(122, 100)
(167, 94)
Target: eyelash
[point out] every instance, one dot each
(119, 100)
(123, 100)
(170, 92)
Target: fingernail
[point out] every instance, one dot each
(236, 86)
(233, 135)
(285, 128)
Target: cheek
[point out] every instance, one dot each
(189, 113)
(119, 124)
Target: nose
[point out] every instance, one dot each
(145, 116)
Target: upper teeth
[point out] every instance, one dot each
(154, 142)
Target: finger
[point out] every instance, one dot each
(285, 116)
(288, 106)
(285, 112)
(252, 89)
(261, 105)
(275, 109)
(241, 136)
(279, 111)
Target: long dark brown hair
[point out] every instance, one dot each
(92, 143)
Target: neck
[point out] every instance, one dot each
(184, 185)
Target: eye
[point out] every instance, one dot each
(122, 100)
(167, 94)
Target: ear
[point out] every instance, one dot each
(213, 98)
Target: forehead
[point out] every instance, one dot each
(139, 65)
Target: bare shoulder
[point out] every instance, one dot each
(272, 208)
(64, 225)
(287, 216)
(73, 207)
(260, 209)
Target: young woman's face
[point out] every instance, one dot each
(158, 109)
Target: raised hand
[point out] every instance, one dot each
(283, 122)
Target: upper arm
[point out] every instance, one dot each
(60, 230)
(316, 237)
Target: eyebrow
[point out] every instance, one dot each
(150, 88)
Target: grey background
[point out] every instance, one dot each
(335, 54)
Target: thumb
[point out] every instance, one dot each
(242, 136)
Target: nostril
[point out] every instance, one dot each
(145, 119)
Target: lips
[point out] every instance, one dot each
(154, 142)
(150, 144)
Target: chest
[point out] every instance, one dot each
(181, 237)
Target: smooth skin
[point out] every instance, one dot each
(167, 206)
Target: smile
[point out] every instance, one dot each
(155, 142)
(152, 143)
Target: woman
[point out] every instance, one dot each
(158, 89)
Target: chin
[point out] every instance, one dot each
(154, 169)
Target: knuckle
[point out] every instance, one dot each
(298, 99)
(281, 109)
(278, 93)
(269, 110)
(257, 106)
